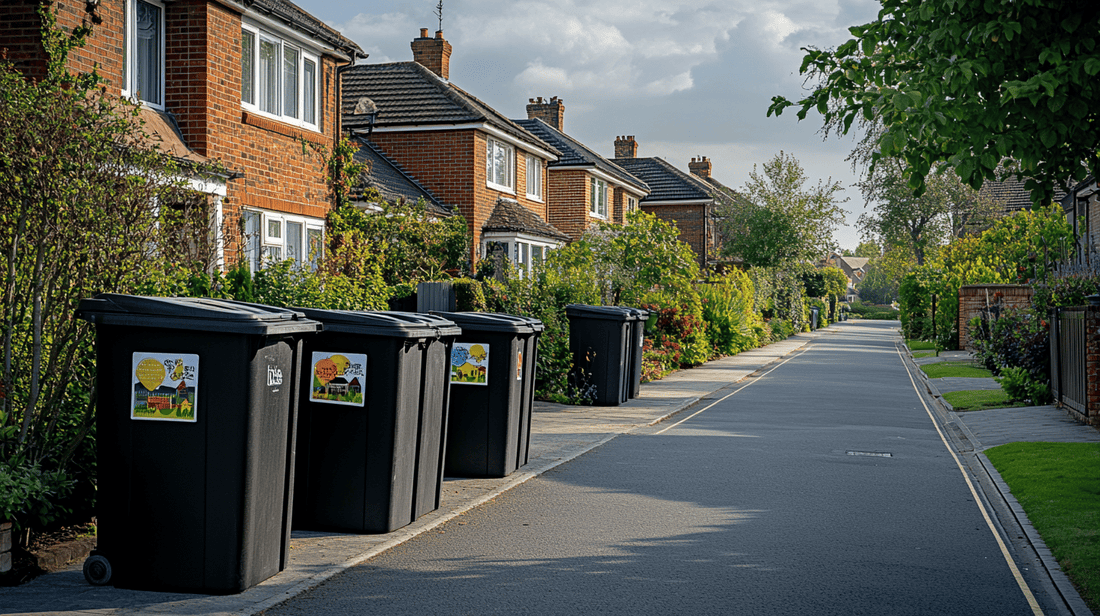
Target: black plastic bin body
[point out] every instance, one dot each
(492, 385)
(634, 347)
(200, 503)
(372, 425)
(600, 340)
(814, 314)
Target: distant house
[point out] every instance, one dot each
(854, 268)
(466, 153)
(687, 200)
(1082, 209)
(242, 83)
(584, 187)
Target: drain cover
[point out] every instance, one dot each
(874, 454)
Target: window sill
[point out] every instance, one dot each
(252, 118)
(501, 188)
(535, 198)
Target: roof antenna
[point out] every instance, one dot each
(439, 13)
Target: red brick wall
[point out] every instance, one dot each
(973, 298)
(202, 88)
(452, 165)
(1092, 368)
(569, 202)
(690, 220)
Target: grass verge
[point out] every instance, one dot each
(1058, 485)
(956, 369)
(979, 399)
(920, 354)
(921, 345)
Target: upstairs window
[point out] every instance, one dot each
(279, 78)
(597, 202)
(143, 70)
(500, 165)
(534, 177)
(631, 204)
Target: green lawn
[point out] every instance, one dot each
(921, 345)
(920, 354)
(979, 399)
(955, 368)
(1058, 485)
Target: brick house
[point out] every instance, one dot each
(583, 187)
(456, 146)
(244, 83)
(687, 200)
(1082, 208)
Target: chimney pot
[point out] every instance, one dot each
(423, 33)
(439, 34)
(700, 167)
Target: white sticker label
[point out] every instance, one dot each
(338, 378)
(164, 387)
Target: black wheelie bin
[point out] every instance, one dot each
(195, 410)
(600, 341)
(492, 382)
(634, 347)
(372, 427)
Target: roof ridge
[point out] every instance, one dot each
(565, 136)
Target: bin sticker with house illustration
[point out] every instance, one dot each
(338, 378)
(470, 363)
(164, 386)
(519, 365)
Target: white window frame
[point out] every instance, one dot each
(305, 54)
(129, 61)
(597, 197)
(509, 176)
(519, 248)
(631, 203)
(535, 189)
(256, 241)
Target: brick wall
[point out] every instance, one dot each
(690, 220)
(202, 89)
(569, 193)
(452, 165)
(973, 299)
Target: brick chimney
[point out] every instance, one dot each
(626, 147)
(700, 167)
(433, 54)
(552, 111)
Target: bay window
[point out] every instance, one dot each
(278, 78)
(273, 237)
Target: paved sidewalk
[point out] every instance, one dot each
(559, 433)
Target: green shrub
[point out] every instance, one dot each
(727, 310)
(468, 295)
(31, 496)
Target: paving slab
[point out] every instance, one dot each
(558, 433)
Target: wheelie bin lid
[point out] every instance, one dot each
(381, 323)
(639, 313)
(606, 313)
(490, 322)
(197, 313)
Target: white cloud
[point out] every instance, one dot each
(668, 85)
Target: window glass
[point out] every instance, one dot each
(148, 42)
(597, 203)
(315, 243)
(499, 165)
(252, 239)
(534, 176)
(269, 76)
(294, 243)
(309, 91)
(290, 81)
(248, 52)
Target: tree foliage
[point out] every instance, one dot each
(784, 221)
(969, 84)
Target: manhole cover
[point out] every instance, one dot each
(873, 454)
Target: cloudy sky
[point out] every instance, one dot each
(686, 78)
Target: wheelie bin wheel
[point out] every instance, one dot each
(97, 570)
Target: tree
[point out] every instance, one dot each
(782, 221)
(867, 250)
(86, 206)
(969, 84)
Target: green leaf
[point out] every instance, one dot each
(901, 101)
(1048, 138)
(1092, 66)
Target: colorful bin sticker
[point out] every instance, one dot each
(519, 365)
(470, 363)
(338, 378)
(164, 387)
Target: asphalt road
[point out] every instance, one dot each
(819, 487)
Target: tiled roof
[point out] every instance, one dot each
(1011, 195)
(162, 132)
(575, 153)
(392, 182)
(302, 21)
(509, 215)
(667, 183)
(407, 94)
(725, 193)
